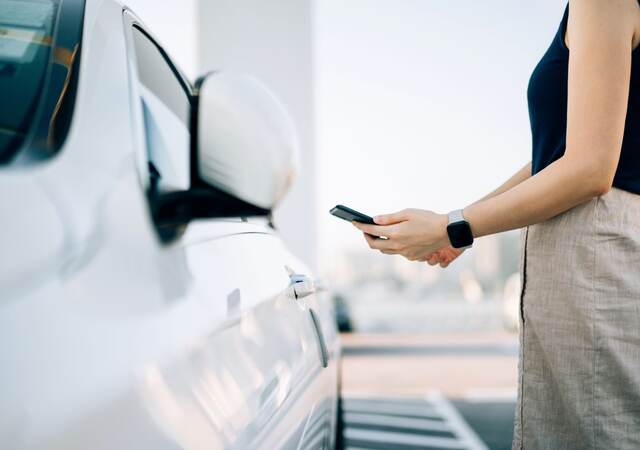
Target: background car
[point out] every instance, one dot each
(146, 299)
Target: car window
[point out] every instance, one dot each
(39, 57)
(166, 111)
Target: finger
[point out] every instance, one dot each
(389, 219)
(433, 260)
(374, 230)
(450, 254)
(450, 258)
(444, 264)
(446, 252)
(439, 255)
(377, 243)
(369, 239)
(431, 256)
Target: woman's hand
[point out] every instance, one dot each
(412, 233)
(444, 256)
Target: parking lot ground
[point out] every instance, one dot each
(463, 385)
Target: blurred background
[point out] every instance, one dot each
(398, 103)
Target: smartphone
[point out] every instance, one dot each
(351, 215)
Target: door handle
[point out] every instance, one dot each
(301, 285)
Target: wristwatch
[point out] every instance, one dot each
(459, 230)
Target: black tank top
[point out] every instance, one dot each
(547, 95)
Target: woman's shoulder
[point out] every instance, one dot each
(611, 18)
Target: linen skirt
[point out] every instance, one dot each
(579, 365)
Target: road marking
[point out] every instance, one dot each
(390, 408)
(376, 422)
(395, 421)
(468, 437)
(388, 437)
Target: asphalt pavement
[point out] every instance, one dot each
(441, 391)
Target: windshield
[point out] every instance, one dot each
(39, 56)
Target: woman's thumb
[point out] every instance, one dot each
(390, 219)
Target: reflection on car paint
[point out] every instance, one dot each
(221, 389)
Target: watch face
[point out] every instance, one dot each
(460, 234)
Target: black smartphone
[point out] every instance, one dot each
(351, 215)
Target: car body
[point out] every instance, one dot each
(115, 333)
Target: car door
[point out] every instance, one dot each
(256, 380)
(266, 360)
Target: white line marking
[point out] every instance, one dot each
(395, 421)
(417, 410)
(468, 437)
(359, 397)
(386, 437)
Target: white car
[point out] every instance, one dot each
(146, 300)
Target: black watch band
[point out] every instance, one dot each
(459, 230)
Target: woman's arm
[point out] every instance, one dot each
(601, 39)
(448, 254)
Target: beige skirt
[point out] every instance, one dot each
(579, 369)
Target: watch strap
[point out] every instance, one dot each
(456, 216)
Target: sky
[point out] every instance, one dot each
(421, 103)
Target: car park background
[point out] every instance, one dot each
(398, 103)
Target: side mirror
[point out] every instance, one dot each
(246, 141)
(244, 153)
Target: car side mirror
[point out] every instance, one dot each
(244, 153)
(246, 141)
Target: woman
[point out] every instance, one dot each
(579, 370)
